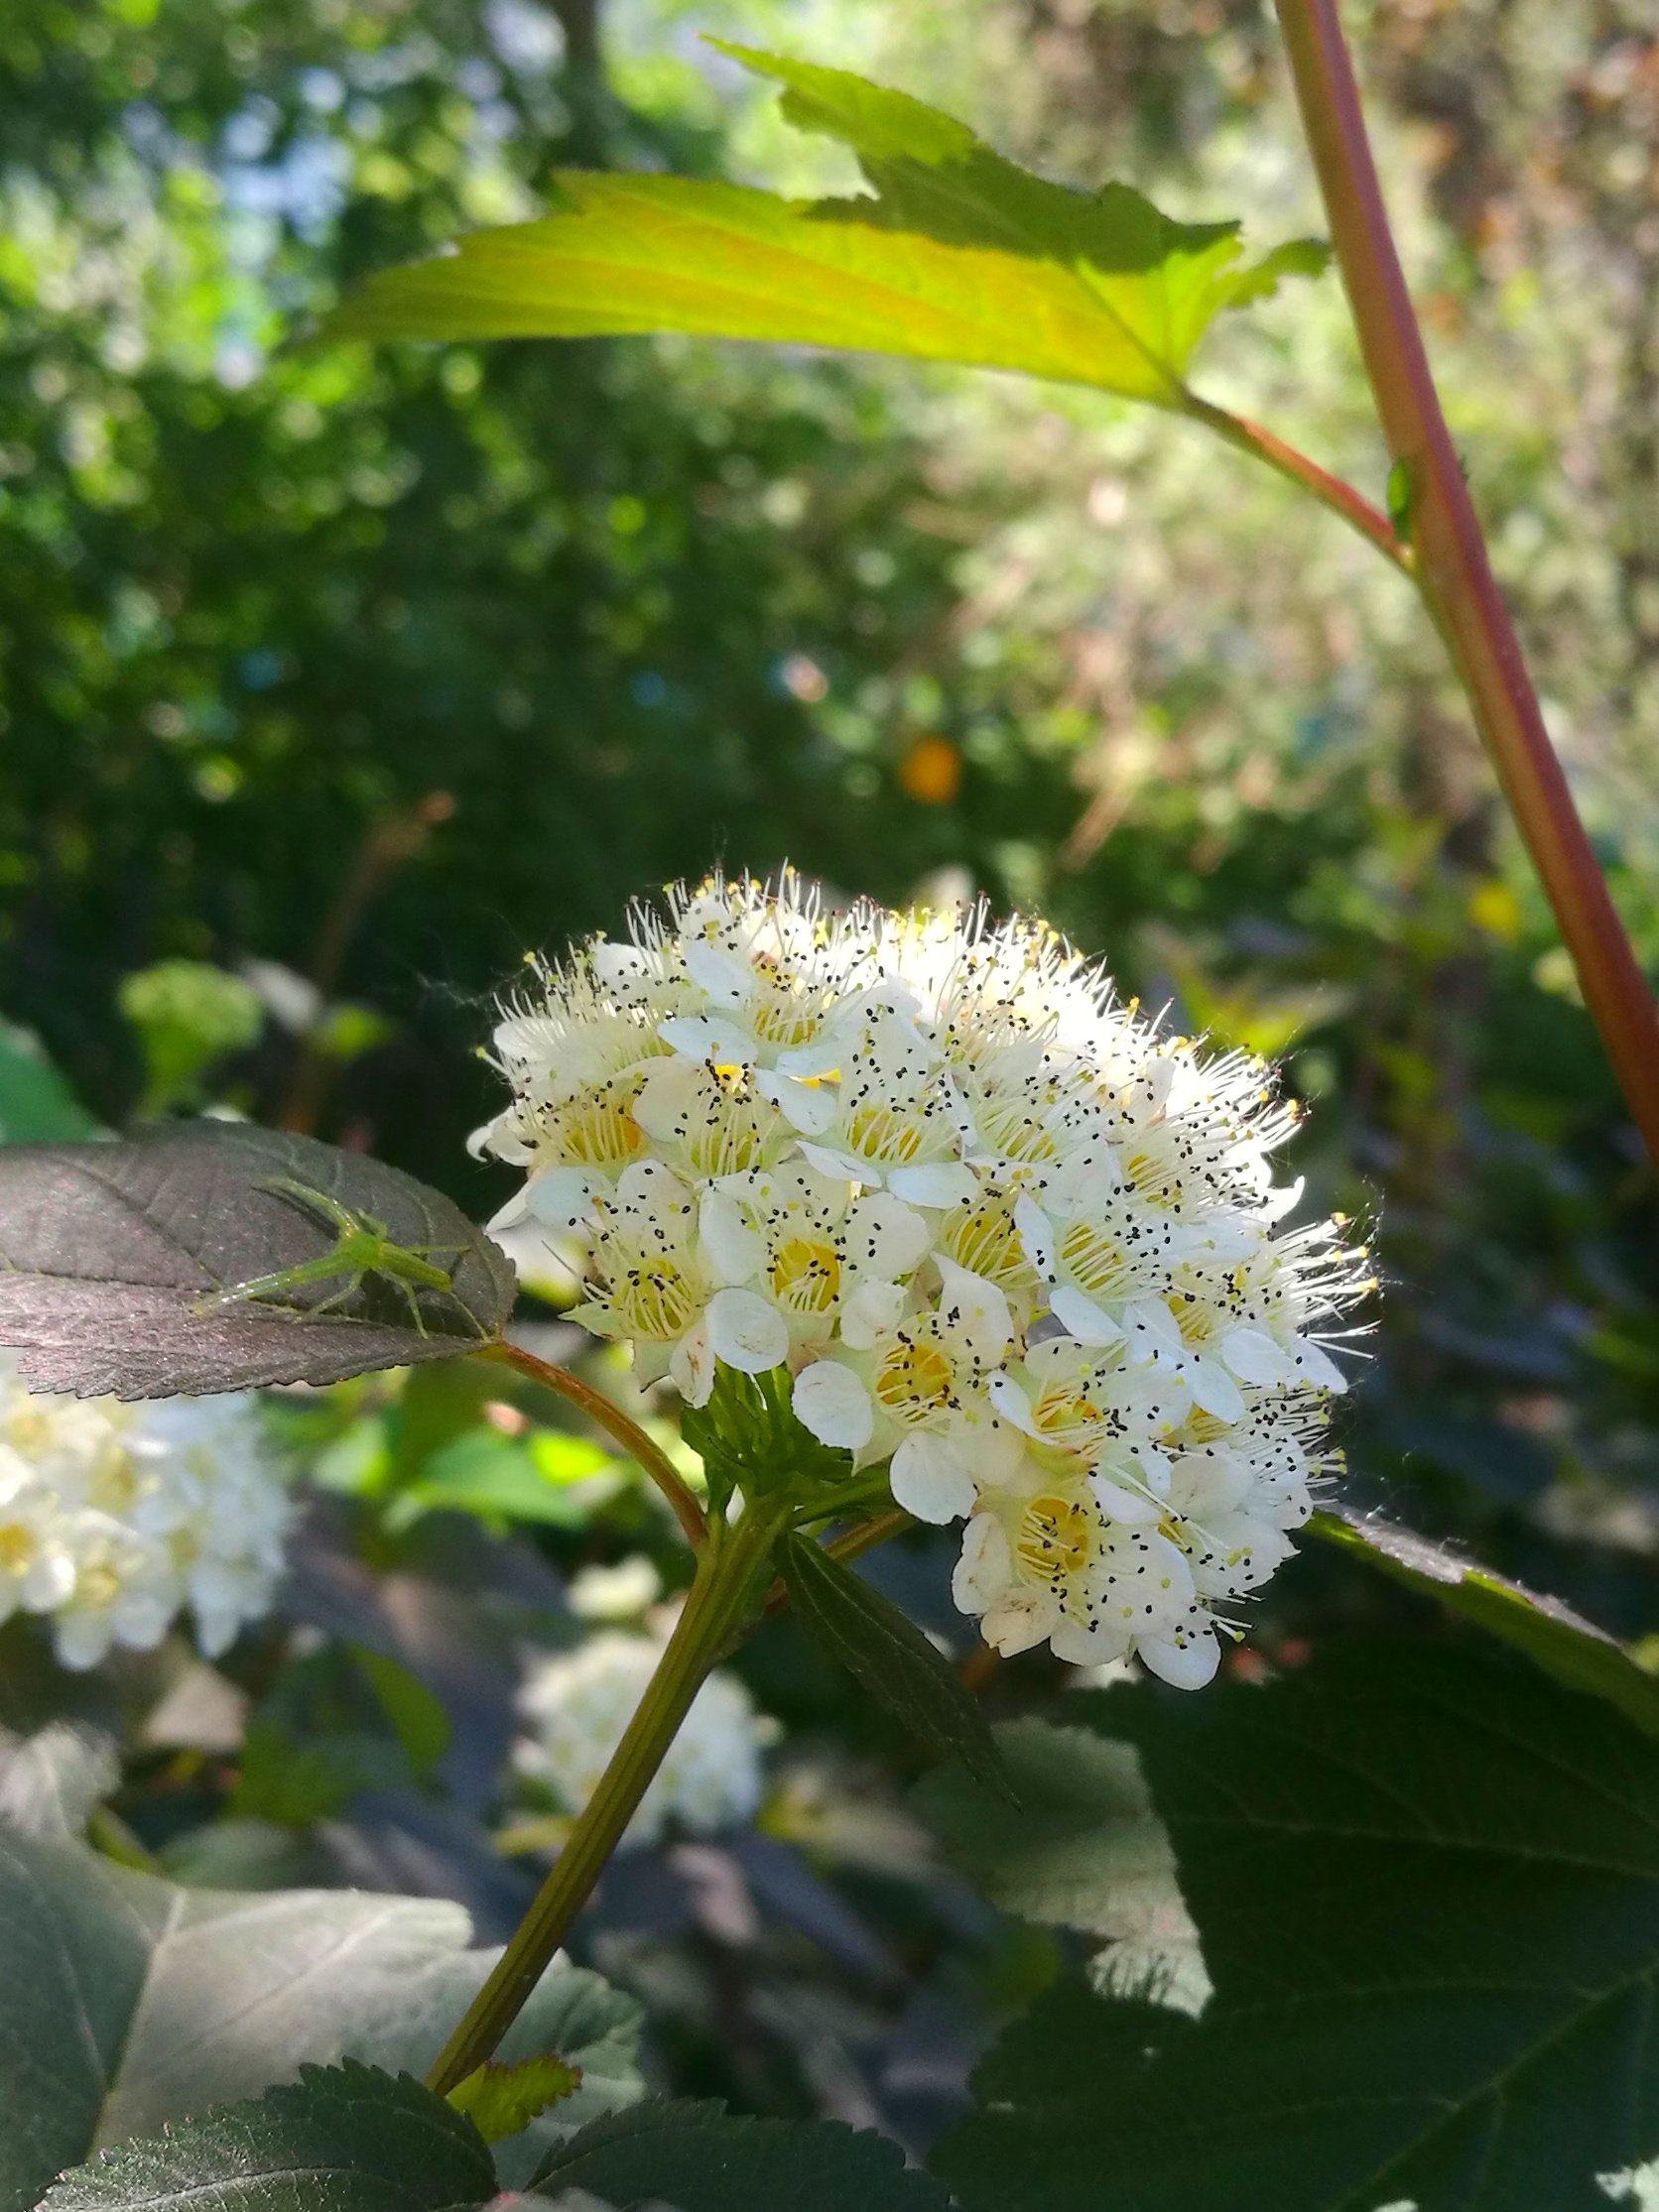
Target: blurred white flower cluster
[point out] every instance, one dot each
(1001, 1231)
(576, 1706)
(113, 1518)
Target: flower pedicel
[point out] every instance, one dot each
(1006, 1237)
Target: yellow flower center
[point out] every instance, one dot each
(1053, 1539)
(1096, 1259)
(656, 1301)
(806, 1275)
(878, 1133)
(914, 1380)
(731, 1137)
(596, 1128)
(17, 1548)
(97, 1585)
(983, 1239)
(1193, 1318)
(1018, 1131)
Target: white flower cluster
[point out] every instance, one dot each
(113, 1518)
(578, 1704)
(1000, 1230)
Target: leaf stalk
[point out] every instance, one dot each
(1330, 491)
(1451, 564)
(628, 1433)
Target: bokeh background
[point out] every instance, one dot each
(332, 679)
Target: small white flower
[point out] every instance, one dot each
(576, 1706)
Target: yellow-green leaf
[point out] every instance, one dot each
(960, 256)
(499, 2099)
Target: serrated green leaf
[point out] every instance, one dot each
(1571, 1650)
(699, 2157)
(868, 1635)
(349, 2137)
(501, 2099)
(1082, 1849)
(127, 2002)
(1427, 1884)
(114, 1260)
(960, 256)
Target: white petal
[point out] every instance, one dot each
(1213, 1389)
(735, 1250)
(1253, 1357)
(746, 1333)
(1189, 1664)
(620, 967)
(1233, 1237)
(1151, 1328)
(973, 1309)
(994, 1450)
(1036, 1234)
(1278, 1203)
(512, 1212)
(1094, 1644)
(941, 1182)
(842, 1166)
(872, 1310)
(561, 1197)
(706, 1037)
(1020, 1622)
(832, 1402)
(1012, 1404)
(807, 1107)
(1211, 1482)
(690, 1365)
(1119, 1504)
(930, 1480)
(1080, 1317)
(722, 974)
(1313, 1364)
(985, 1567)
(822, 1057)
(885, 1237)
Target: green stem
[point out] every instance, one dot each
(1332, 491)
(1451, 565)
(723, 1598)
(628, 1433)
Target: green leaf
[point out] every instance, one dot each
(499, 2100)
(960, 256)
(699, 2157)
(1567, 1647)
(35, 1101)
(890, 1656)
(188, 1015)
(127, 2002)
(112, 1256)
(347, 2137)
(418, 1718)
(551, 1479)
(1427, 1882)
(1082, 1849)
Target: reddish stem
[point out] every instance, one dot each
(1453, 571)
(628, 1433)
